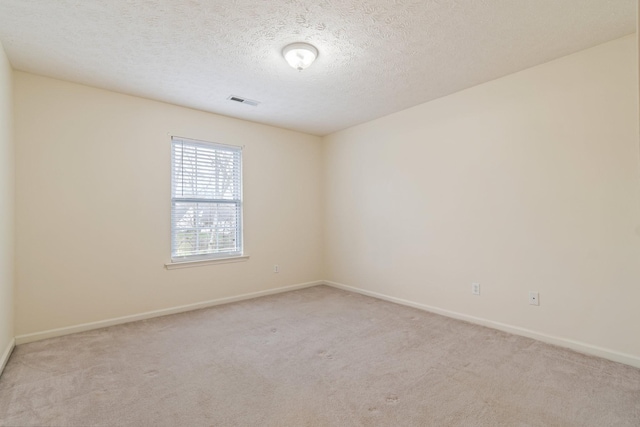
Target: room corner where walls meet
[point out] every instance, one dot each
(527, 183)
(7, 209)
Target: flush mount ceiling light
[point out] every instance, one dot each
(300, 55)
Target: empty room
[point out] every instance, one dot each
(319, 213)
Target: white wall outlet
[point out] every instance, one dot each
(475, 288)
(534, 298)
(276, 268)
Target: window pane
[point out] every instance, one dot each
(206, 172)
(206, 196)
(205, 228)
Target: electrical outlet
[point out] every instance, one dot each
(475, 288)
(534, 298)
(276, 268)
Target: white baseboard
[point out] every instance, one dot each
(581, 347)
(7, 353)
(51, 333)
(578, 346)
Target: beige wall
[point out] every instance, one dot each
(93, 203)
(528, 182)
(6, 204)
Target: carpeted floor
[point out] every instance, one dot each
(313, 357)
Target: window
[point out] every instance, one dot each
(206, 200)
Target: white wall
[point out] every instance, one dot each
(6, 205)
(528, 182)
(93, 204)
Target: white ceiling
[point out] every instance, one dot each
(376, 56)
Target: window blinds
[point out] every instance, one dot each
(206, 200)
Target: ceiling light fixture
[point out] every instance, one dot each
(300, 55)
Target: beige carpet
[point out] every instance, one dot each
(314, 357)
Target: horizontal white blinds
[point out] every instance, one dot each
(206, 199)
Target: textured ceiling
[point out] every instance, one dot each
(376, 56)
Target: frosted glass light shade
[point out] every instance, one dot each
(300, 55)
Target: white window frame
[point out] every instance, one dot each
(213, 257)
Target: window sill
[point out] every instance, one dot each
(203, 262)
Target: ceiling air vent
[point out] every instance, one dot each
(243, 100)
